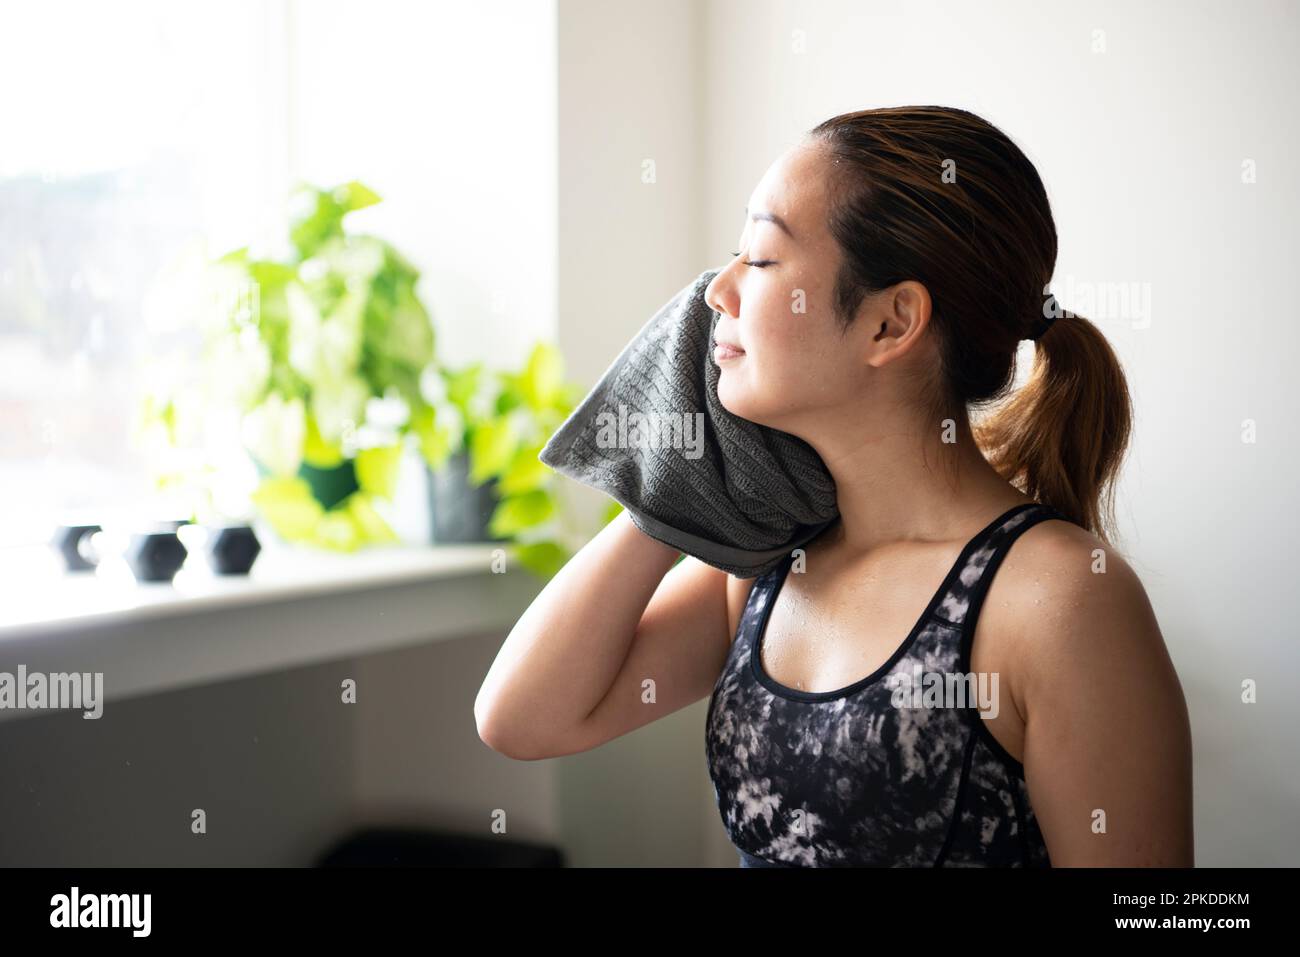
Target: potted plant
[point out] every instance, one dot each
(326, 357)
(320, 338)
(486, 481)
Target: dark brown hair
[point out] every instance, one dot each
(982, 242)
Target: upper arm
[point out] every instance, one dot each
(1107, 751)
(676, 654)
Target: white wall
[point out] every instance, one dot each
(629, 79)
(629, 102)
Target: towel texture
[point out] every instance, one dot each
(653, 435)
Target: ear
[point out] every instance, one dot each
(897, 317)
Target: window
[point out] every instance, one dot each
(138, 139)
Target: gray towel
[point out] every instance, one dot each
(732, 493)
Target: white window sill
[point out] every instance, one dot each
(296, 607)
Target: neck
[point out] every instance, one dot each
(897, 479)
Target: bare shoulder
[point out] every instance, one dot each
(1073, 605)
(1107, 743)
(1062, 570)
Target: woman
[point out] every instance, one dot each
(889, 266)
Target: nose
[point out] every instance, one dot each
(721, 294)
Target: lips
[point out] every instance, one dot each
(726, 350)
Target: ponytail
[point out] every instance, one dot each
(1062, 436)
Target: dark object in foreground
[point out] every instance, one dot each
(231, 549)
(155, 556)
(403, 847)
(68, 540)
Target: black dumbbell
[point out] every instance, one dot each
(155, 555)
(231, 549)
(71, 542)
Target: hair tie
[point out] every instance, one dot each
(1051, 312)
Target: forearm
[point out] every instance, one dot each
(564, 653)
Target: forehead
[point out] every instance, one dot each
(794, 189)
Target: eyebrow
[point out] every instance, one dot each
(771, 218)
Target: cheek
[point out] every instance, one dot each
(801, 366)
(772, 376)
(791, 346)
(792, 361)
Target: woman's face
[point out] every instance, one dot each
(775, 303)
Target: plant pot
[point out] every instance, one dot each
(330, 486)
(458, 511)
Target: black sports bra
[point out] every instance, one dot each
(852, 777)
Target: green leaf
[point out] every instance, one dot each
(385, 375)
(435, 439)
(525, 472)
(371, 527)
(462, 385)
(518, 512)
(317, 451)
(274, 434)
(288, 506)
(356, 260)
(509, 399)
(322, 223)
(167, 416)
(541, 558)
(377, 469)
(492, 446)
(340, 405)
(543, 377)
(401, 329)
(270, 273)
(511, 386)
(337, 530)
(354, 195)
(399, 264)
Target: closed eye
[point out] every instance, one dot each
(757, 263)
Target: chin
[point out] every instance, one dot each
(737, 397)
